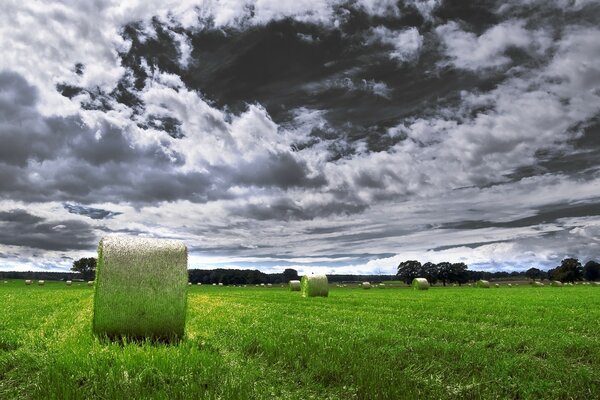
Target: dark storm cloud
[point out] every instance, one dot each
(20, 228)
(61, 159)
(93, 213)
(549, 214)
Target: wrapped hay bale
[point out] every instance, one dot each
(366, 285)
(482, 284)
(420, 284)
(269, 284)
(557, 283)
(220, 283)
(497, 285)
(198, 284)
(90, 283)
(140, 289)
(69, 283)
(189, 283)
(295, 286)
(509, 285)
(314, 285)
(41, 282)
(28, 282)
(537, 284)
(382, 286)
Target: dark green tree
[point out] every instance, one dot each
(444, 271)
(429, 272)
(458, 273)
(591, 271)
(534, 273)
(290, 274)
(570, 270)
(86, 267)
(408, 270)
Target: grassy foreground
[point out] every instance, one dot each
(260, 343)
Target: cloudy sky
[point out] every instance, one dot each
(335, 136)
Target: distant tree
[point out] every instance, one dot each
(591, 271)
(444, 271)
(534, 273)
(570, 270)
(408, 270)
(289, 274)
(458, 273)
(85, 266)
(429, 271)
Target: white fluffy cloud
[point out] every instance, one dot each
(466, 50)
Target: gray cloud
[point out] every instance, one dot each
(20, 228)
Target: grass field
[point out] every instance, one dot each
(261, 343)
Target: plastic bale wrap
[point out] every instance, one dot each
(366, 285)
(28, 282)
(483, 284)
(314, 285)
(41, 282)
(295, 286)
(420, 284)
(140, 288)
(69, 283)
(557, 283)
(382, 286)
(537, 284)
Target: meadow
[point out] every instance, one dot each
(262, 343)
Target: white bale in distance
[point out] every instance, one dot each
(189, 283)
(295, 286)
(420, 284)
(557, 283)
(509, 285)
(41, 282)
(198, 284)
(214, 284)
(69, 283)
(382, 286)
(537, 284)
(482, 284)
(5, 281)
(269, 284)
(220, 283)
(90, 283)
(28, 281)
(366, 285)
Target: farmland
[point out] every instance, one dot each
(259, 343)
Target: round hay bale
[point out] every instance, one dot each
(140, 288)
(5, 282)
(28, 282)
(509, 285)
(189, 283)
(420, 284)
(220, 283)
(198, 284)
(366, 285)
(470, 285)
(69, 283)
(482, 284)
(90, 283)
(497, 285)
(557, 283)
(314, 285)
(382, 286)
(41, 282)
(269, 284)
(537, 284)
(294, 286)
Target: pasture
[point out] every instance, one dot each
(262, 343)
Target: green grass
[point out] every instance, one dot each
(262, 343)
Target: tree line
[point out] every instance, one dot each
(570, 270)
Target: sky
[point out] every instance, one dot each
(326, 136)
